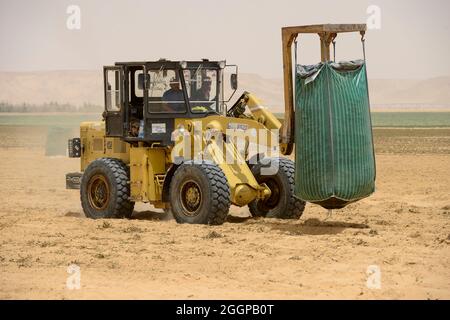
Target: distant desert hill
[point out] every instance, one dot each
(79, 87)
(431, 92)
(73, 87)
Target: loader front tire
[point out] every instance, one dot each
(200, 194)
(282, 203)
(105, 190)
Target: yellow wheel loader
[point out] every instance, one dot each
(167, 138)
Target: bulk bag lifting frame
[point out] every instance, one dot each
(335, 162)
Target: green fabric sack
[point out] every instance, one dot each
(335, 161)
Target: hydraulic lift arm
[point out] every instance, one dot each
(259, 112)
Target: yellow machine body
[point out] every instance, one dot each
(151, 168)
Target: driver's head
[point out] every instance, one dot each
(175, 83)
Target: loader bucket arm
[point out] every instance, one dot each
(326, 32)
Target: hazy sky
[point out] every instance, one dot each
(413, 41)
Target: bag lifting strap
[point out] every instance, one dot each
(295, 53)
(363, 41)
(334, 50)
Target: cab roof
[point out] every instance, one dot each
(171, 64)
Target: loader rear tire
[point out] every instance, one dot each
(105, 190)
(282, 203)
(200, 194)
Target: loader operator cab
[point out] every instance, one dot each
(143, 99)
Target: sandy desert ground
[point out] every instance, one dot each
(404, 229)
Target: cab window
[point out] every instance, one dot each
(112, 90)
(165, 92)
(201, 86)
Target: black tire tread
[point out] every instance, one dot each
(295, 206)
(220, 192)
(123, 207)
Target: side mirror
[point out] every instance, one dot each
(141, 80)
(234, 81)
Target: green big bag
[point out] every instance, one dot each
(335, 161)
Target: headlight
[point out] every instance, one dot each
(222, 64)
(179, 132)
(183, 64)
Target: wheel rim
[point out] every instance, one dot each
(191, 198)
(98, 192)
